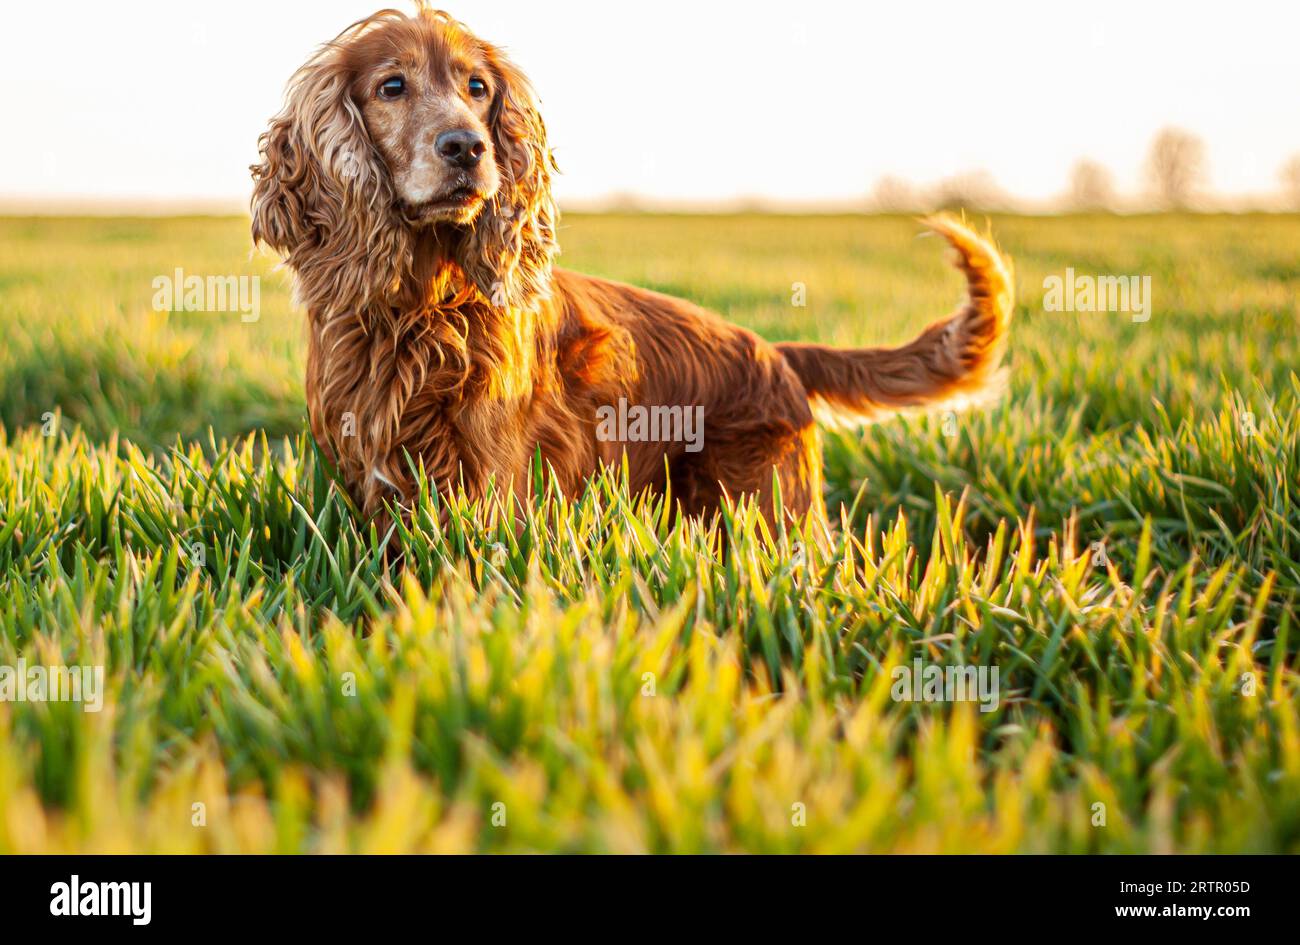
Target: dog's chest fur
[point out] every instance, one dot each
(468, 395)
(429, 389)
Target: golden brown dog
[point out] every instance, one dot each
(407, 184)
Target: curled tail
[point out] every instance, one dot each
(954, 363)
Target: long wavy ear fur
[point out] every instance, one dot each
(321, 197)
(508, 252)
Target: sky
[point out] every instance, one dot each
(689, 102)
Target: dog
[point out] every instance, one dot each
(407, 185)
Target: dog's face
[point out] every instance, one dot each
(426, 94)
(406, 137)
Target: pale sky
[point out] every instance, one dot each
(707, 100)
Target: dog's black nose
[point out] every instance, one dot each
(461, 148)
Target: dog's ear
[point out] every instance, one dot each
(322, 197)
(508, 254)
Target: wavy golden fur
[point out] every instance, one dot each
(407, 185)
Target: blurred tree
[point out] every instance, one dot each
(895, 195)
(1290, 176)
(1091, 187)
(976, 190)
(1176, 167)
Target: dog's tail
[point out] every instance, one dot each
(953, 364)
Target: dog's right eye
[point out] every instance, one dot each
(392, 88)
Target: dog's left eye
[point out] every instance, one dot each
(392, 88)
(477, 88)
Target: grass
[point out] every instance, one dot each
(1120, 538)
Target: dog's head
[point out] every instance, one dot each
(406, 131)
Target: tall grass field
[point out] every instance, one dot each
(1119, 539)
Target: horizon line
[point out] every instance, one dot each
(69, 205)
